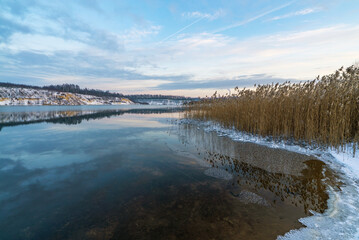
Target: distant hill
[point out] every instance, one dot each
(72, 88)
(11, 96)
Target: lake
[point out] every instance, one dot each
(137, 172)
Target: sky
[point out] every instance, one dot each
(177, 47)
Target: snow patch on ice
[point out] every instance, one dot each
(27, 96)
(251, 197)
(340, 221)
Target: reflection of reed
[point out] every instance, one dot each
(295, 179)
(71, 117)
(307, 190)
(269, 159)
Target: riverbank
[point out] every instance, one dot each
(341, 219)
(321, 113)
(26, 96)
(144, 171)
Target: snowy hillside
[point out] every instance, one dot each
(28, 96)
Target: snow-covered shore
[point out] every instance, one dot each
(27, 96)
(341, 219)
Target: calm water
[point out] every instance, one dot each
(124, 173)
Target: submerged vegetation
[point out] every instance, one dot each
(323, 112)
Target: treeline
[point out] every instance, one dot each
(72, 88)
(322, 112)
(13, 85)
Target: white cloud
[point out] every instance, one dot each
(181, 30)
(209, 57)
(114, 84)
(203, 57)
(246, 21)
(199, 17)
(41, 43)
(297, 55)
(217, 14)
(297, 13)
(137, 34)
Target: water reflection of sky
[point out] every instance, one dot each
(44, 162)
(46, 145)
(111, 173)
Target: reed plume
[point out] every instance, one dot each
(323, 112)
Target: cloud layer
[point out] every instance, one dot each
(297, 13)
(183, 49)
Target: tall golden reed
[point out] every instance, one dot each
(323, 112)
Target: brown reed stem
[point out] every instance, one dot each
(322, 112)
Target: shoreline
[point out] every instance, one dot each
(49, 105)
(10, 96)
(341, 219)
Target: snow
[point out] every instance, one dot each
(341, 219)
(28, 96)
(251, 197)
(351, 162)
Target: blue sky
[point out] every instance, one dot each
(175, 47)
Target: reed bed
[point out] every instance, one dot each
(323, 112)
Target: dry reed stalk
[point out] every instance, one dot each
(323, 112)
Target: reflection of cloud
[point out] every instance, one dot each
(63, 145)
(75, 117)
(128, 122)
